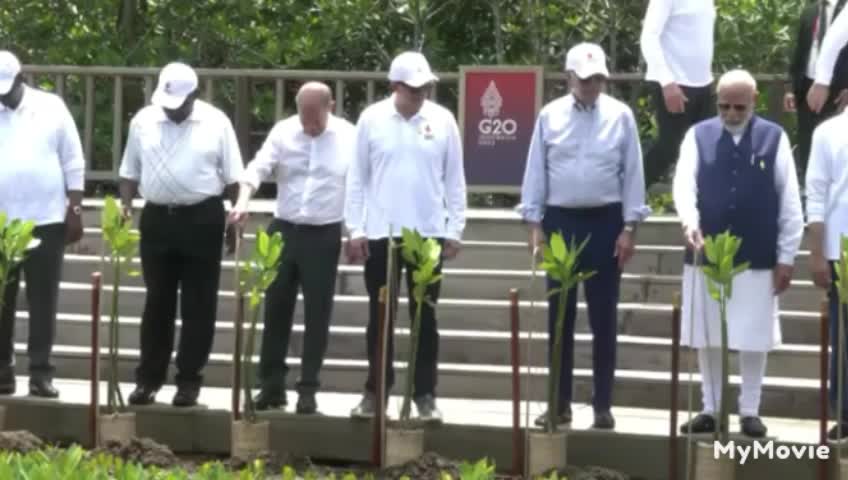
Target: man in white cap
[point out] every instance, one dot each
(182, 156)
(736, 173)
(308, 155)
(584, 179)
(408, 172)
(41, 180)
(677, 42)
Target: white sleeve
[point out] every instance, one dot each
(70, 151)
(262, 166)
(231, 162)
(131, 161)
(685, 186)
(819, 178)
(652, 28)
(357, 179)
(834, 41)
(791, 219)
(455, 196)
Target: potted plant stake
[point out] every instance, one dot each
(250, 437)
(15, 241)
(121, 243)
(548, 449)
(720, 271)
(405, 439)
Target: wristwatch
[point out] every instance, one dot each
(630, 227)
(77, 210)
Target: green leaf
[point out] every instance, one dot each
(558, 248)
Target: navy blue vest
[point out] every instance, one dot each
(736, 190)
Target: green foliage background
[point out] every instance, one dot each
(363, 35)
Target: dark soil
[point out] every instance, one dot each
(20, 441)
(429, 467)
(592, 473)
(144, 451)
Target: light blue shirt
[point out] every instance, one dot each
(584, 157)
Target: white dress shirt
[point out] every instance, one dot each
(830, 6)
(827, 182)
(834, 40)
(791, 217)
(409, 173)
(310, 171)
(42, 158)
(584, 157)
(181, 164)
(677, 41)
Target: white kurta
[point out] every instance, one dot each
(753, 310)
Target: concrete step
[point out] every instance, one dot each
(782, 397)
(634, 318)
(488, 283)
(455, 346)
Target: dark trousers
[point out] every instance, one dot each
(807, 123)
(833, 311)
(427, 357)
(673, 126)
(181, 248)
(310, 261)
(603, 225)
(42, 269)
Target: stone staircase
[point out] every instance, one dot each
(474, 322)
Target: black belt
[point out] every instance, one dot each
(306, 226)
(595, 210)
(176, 208)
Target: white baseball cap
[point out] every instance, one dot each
(412, 69)
(10, 67)
(176, 82)
(586, 60)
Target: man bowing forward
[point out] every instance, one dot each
(736, 173)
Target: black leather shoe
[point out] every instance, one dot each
(427, 409)
(42, 388)
(834, 435)
(270, 399)
(142, 395)
(753, 427)
(186, 396)
(564, 418)
(703, 423)
(604, 421)
(306, 404)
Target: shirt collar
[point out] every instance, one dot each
(424, 112)
(582, 107)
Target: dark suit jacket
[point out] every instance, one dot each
(800, 58)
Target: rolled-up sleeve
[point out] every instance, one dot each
(534, 184)
(791, 218)
(633, 177)
(70, 151)
(357, 178)
(656, 17)
(455, 189)
(834, 41)
(684, 185)
(818, 177)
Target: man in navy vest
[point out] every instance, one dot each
(736, 173)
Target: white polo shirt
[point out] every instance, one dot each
(677, 41)
(42, 158)
(184, 163)
(827, 182)
(310, 171)
(409, 173)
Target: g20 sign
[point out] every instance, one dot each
(497, 110)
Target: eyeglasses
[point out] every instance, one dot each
(727, 106)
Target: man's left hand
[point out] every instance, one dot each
(624, 248)
(451, 249)
(73, 226)
(782, 278)
(817, 96)
(841, 100)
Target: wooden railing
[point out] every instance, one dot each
(103, 99)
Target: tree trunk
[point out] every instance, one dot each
(498, 20)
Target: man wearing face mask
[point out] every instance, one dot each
(407, 172)
(308, 154)
(182, 156)
(41, 180)
(736, 173)
(584, 179)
